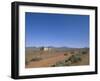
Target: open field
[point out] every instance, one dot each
(56, 57)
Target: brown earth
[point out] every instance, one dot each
(51, 58)
(48, 61)
(85, 61)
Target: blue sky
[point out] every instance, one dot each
(45, 29)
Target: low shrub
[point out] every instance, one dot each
(84, 52)
(35, 59)
(60, 63)
(65, 54)
(75, 58)
(53, 65)
(68, 63)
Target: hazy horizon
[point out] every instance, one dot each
(57, 30)
(54, 47)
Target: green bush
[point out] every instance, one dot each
(60, 63)
(68, 63)
(75, 58)
(67, 60)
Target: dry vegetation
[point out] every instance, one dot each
(54, 58)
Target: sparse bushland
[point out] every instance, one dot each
(55, 58)
(67, 62)
(75, 58)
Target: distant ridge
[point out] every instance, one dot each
(63, 47)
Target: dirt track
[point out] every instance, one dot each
(48, 61)
(36, 59)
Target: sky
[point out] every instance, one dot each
(58, 30)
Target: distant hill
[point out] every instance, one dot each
(55, 48)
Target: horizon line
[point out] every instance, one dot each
(56, 46)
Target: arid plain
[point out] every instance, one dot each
(56, 57)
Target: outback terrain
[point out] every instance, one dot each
(56, 57)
